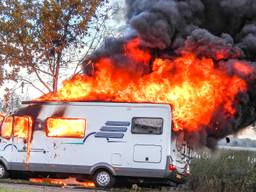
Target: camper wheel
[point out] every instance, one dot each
(103, 179)
(3, 171)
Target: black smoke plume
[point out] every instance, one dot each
(204, 27)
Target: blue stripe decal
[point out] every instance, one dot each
(109, 135)
(87, 136)
(118, 123)
(81, 142)
(75, 143)
(115, 141)
(10, 145)
(113, 129)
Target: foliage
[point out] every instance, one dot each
(35, 35)
(224, 171)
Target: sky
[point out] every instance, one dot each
(247, 133)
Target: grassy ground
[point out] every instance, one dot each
(224, 171)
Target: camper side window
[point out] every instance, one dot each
(65, 127)
(6, 129)
(147, 125)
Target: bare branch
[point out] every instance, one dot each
(29, 82)
(42, 81)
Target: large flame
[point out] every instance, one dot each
(194, 87)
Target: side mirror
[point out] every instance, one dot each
(227, 140)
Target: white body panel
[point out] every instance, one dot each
(129, 155)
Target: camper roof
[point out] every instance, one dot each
(97, 103)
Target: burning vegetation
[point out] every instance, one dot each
(195, 55)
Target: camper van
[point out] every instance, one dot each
(101, 140)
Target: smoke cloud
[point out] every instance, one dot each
(224, 30)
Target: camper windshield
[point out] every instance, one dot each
(22, 125)
(18, 126)
(6, 128)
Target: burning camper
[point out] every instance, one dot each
(195, 57)
(103, 140)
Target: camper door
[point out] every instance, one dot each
(65, 136)
(6, 146)
(17, 130)
(25, 152)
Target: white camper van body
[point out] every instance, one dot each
(109, 142)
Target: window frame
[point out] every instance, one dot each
(65, 137)
(1, 122)
(162, 125)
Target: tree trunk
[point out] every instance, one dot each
(56, 74)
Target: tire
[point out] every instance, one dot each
(103, 179)
(3, 172)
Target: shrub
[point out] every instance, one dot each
(224, 170)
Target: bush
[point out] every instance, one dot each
(224, 171)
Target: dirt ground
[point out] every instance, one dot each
(10, 187)
(13, 187)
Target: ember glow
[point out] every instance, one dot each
(243, 68)
(65, 127)
(64, 182)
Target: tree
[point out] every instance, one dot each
(37, 36)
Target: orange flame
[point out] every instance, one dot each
(6, 129)
(192, 86)
(64, 182)
(65, 127)
(22, 125)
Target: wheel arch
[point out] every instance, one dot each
(5, 163)
(104, 166)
